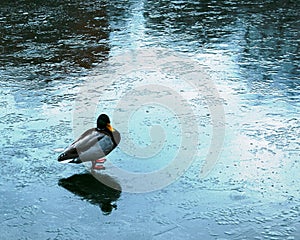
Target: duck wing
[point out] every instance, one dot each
(91, 145)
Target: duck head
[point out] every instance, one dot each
(103, 122)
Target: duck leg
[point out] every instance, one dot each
(100, 160)
(96, 166)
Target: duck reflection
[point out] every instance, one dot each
(98, 189)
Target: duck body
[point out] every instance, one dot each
(93, 144)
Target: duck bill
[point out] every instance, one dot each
(109, 127)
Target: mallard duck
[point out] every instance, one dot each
(93, 145)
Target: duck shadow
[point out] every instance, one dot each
(98, 189)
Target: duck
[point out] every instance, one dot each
(93, 145)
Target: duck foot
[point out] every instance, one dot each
(98, 167)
